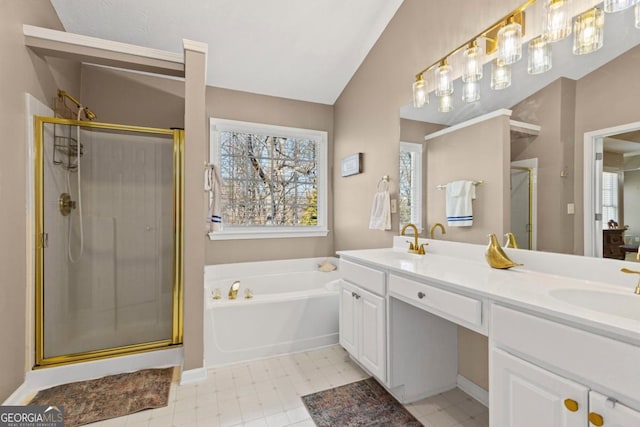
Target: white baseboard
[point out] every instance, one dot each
(193, 376)
(473, 390)
(18, 397)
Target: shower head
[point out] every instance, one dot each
(88, 114)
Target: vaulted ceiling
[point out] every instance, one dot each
(298, 49)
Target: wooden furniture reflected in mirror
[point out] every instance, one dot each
(612, 242)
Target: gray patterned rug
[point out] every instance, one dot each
(363, 403)
(89, 401)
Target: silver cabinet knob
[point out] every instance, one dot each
(421, 295)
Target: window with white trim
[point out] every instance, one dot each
(410, 185)
(609, 197)
(274, 180)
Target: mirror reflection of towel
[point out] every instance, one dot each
(459, 203)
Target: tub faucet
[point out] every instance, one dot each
(432, 232)
(415, 247)
(233, 290)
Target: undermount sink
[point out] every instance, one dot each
(615, 304)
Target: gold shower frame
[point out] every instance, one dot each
(178, 263)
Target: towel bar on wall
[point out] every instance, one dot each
(443, 186)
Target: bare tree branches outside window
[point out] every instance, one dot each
(268, 180)
(405, 190)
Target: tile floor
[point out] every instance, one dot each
(267, 393)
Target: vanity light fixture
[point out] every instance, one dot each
(588, 31)
(611, 6)
(510, 43)
(557, 23)
(444, 79)
(470, 91)
(539, 59)
(420, 94)
(473, 61)
(500, 75)
(445, 104)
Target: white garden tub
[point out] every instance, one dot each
(294, 308)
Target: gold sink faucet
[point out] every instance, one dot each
(626, 270)
(233, 290)
(415, 247)
(433, 229)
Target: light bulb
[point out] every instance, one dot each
(444, 81)
(473, 60)
(500, 76)
(557, 20)
(470, 91)
(611, 6)
(445, 104)
(420, 94)
(588, 31)
(510, 43)
(539, 59)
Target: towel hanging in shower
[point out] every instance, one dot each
(213, 184)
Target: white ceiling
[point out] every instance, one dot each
(299, 49)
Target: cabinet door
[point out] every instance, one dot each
(524, 395)
(372, 333)
(348, 321)
(613, 413)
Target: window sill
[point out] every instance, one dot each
(266, 234)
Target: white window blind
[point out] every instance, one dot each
(609, 197)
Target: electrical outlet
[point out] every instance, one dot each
(571, 208)
(394, 205)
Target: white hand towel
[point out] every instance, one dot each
(381, 211)
(214, 185)
(459, 203)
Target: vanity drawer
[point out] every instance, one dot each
(610, 364)
(458, 308)
(365, 277)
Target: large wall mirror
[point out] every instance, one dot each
(588, 137)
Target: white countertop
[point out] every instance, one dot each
(520, 287)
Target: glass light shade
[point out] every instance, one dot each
(539, 56)
(444, 80)
(420, 94)
(557, 23)
(638, 15)
(611, 6)
(588, 31)
(500, 76)
(470, 91)
(445, 104)
(510, 43)
(473, 60)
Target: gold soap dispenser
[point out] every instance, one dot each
(496, 257)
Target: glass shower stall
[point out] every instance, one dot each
(109, 239)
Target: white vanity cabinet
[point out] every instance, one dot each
(362, 317)
(545, 373)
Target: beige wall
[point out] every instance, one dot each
(477, 152)
(367, 112)
(598, 109)
(22, 72)
(552, 108)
